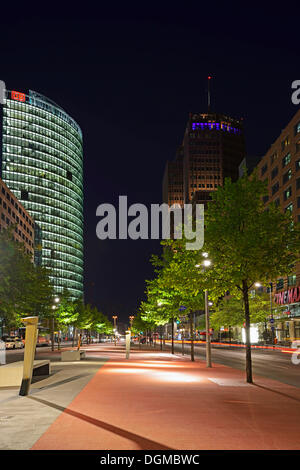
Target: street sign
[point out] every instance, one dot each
(271, 320)
(182, 307)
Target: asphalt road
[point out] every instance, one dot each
(266, 363)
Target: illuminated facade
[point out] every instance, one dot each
(214, 147)
(41, 163)
(280, 168)
(173, 180)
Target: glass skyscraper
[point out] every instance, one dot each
(41, 164)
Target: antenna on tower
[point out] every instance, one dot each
(208, 92)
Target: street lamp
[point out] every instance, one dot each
(56, 300)
(115, 328)
(131, 318)
(206, 263)
(258, 284)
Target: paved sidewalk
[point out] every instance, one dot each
(158, 401)
(152, 401)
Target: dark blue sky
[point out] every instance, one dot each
(130, 76)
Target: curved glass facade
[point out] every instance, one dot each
(42, 165)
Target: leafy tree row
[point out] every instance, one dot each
(25, 289)
(246, 243)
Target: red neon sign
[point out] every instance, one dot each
(16, 95)
(288, 297)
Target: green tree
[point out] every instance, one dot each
(247, 243)
(179, 283)
(230, 311)
(25, 289)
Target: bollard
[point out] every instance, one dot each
(2, 353)
(128, 337)
(29, 351)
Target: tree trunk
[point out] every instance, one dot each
(247, 329)
(172, 335)
(192, 336)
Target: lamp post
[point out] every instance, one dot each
(56, 300)
(115, 328)
(131, 318)
(258, 284)
(206, 263)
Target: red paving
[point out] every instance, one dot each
(156, 401)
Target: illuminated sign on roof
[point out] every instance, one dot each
(16, 95)
(215, 125)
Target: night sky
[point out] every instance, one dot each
(129, 77)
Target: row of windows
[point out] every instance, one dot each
(42, 162)
(32, 200)
(33, 114)
(288, 174)
(16, 217)
(29, 252)
(206, 177)
(207, 160)
(44, 140)
(208, 168)
(32, 138)
(16, 148)
(68, 275)
(22, 187)
(288, 191)
(207, 185)
(204, 152)
(66, 267)
(202, 143)
(16, 205)
(42, 185)
(285, 161)
(36, 104)
(31, 117)
(21, 234)
(291, 281)
(26, 128)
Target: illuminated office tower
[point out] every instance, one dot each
(41, 163)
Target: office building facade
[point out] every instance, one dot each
(13, 213)
(41, 163)
(280, 168)
(173, 180)
(213, 148)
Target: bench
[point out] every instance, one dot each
(11, 374)
(74, 355)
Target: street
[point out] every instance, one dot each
(266, 363)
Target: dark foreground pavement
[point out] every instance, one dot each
(152, 401)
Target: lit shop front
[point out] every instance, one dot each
(287, 314)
